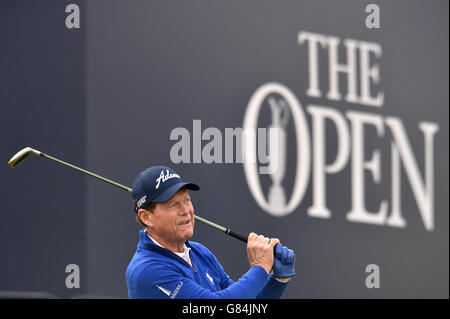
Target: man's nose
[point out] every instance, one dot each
(185, 208)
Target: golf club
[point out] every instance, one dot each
(23, 154)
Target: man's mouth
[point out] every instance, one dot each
(187, 222)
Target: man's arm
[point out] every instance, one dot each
(163, 282)
(282, 272)
(276, 283)
(273, 288)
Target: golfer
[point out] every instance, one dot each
(167, 265)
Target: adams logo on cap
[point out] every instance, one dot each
(165, 177)
(157, 184)
(141, 201)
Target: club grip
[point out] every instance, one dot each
(236, 235)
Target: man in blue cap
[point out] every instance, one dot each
(167, 265)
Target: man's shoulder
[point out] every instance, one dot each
(149, 265)
(197, 246)
(201, 249)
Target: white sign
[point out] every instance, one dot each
(350, 131)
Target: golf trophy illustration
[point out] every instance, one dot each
(280, 117)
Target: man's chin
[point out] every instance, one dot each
(187, 234)
(190, 234)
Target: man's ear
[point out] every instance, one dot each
(146, 217)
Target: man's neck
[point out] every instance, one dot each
(173, 247)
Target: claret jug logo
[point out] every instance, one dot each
(281, 111)
(350, 127)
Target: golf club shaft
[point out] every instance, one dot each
(87, 172)
(221, 228)
(106, 180)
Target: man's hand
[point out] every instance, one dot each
(260, 251)
(284, 263)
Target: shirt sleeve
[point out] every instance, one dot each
(164, 282)
(273, 289)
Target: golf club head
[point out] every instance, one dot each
(22, 155)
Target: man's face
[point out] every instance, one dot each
(173, 221)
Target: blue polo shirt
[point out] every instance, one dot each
(155, 272)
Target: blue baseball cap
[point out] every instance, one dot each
(157, 184)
